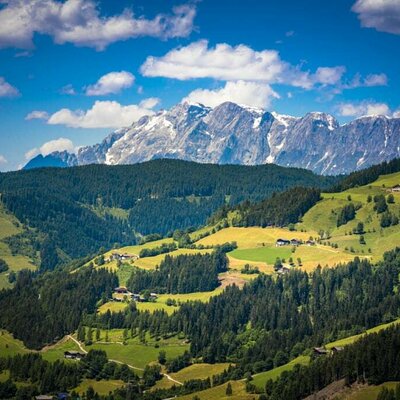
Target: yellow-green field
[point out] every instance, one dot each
(152, 262)
(9, 346)
(219, 393)
(134, 352)
(259, 380)
(112, 306)
(378, 240)
(252, 237)
(102, 387)
(367, 392)
(10, 226)
(195, 371)
(351, 339)
(56, 352)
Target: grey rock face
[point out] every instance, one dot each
(230, 133)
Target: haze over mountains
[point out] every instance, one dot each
(235, 134)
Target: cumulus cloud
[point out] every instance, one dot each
(3, 160)
(61, 144)
(7, 90)
(254, 94)
(103, 114)
(223, 62)
(80, 22)
(329, 75)
(37, 115)
(227, 63)
(363, 108)
(383, 15)
(113, 82)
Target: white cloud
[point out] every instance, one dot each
(383, 15)
(68, 89)
(149, 103)
(79, 22)
(369, 81)
(103, 114)
(329, 75)
(37, 115)
(7, 90)
(254, 94)
(363, 108)
(3, 160)
(227, 63)
(223, 62)
(375, 80)
(113, 82)
(396, 114)
(61, 144)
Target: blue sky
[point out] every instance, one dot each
(72, 71)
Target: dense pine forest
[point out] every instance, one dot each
(40, 309)
(85, 208)
(281, 209)
(181, 274)
(288, 315)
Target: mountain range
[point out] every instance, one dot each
(236, 134)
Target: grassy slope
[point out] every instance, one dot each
(219, 393)
(261, 379)
(10, 226)
(151, 262)
(256, 245)
(195, 371)
(322, 217)
(136, 353)
(352, 339)
(367, 392)
(101, 387)
(9, 346)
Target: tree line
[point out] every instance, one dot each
(158, 196)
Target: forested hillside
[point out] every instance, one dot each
(84, 208)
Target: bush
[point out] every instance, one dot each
(3, 266)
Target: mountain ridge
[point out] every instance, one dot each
(237, 134)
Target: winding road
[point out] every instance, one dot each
(83, 350)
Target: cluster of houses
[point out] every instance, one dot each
(122, 257)
(122, 290)
(293, 242)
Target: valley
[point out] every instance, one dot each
(258, 260)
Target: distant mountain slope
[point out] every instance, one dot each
(84, 208)
(234, 134)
